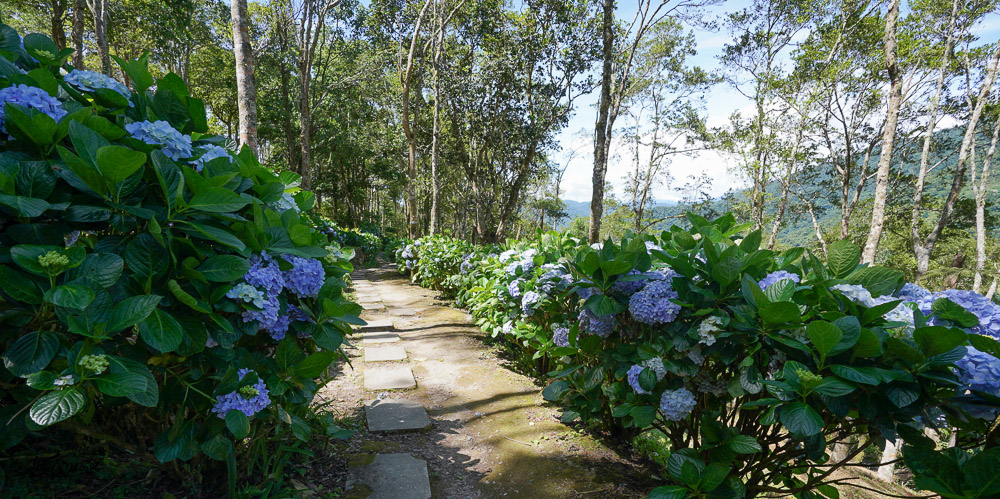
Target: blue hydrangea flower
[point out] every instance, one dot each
(514, 289)
(983, 308)
(628, 288)
(780, 275)
(306, 276)
(600, 325)
(528, 302)
(633, 379)
(249, 400)
(210, 152)
(856, 293)
(89, 81)
(508, 327)
(507, 255)
(560, 336)
(176, 145)
(246, 293)
(652, 305)
(677, 404)
(912, 292)
(467, 265)
(287, 202)
(265, 273)
(980, 371)
(31, 98)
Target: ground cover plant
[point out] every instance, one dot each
(764, 371)
(159, 291)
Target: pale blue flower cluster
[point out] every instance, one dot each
(31, 98)
(507, 255)
(652, 305)
(526, 262)
(246, 293)
(176, 145)
(858, 294)
(467, 264)
(408, 254)
(249, 400)
(677, 404)
(528, 302)
(306, 276)
(89, 81)
(265, 274)
(560, 336)
(980, 371)
(780, 275)
(628, 288)
(553, 278)
(210, 152)
(633, 379)
(655, 365)
(983, 308)
(514, 288)
(508, 327)
(600, 325)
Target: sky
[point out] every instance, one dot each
(721, 101)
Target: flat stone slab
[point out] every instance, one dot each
(395, 415)
(392, 476)
(379, 337)
(372, 305)
(377, 325)
(389, 378)
(404, 312)
(384, 354)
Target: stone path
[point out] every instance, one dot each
(446, 418)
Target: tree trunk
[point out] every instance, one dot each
(925, 250)
(980, 191)
(888, 135)
(56, 18)
(246, 86)
(99, 8)
(786, 183)
(411, 141)
(602, 133)
(435, 127)
(77, 34)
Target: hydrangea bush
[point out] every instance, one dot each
(155, 287)
(752, 364)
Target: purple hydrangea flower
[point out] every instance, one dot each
(652, 304)
(633, 379)
(780, 275)
(561, 336)
(528, 302)
(249, 400)
(264, 273)
(912, 292)
(983, 308)
(176, 145)
(89, 81)
(31, 98)
(677, 404)
(306, 276)
(980, 371)
(513, 289)
(210, 152)
(628, 288)
(600, 325)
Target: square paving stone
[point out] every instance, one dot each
(379, 337)
(389, 378)
(377, 325)
(384, 354)
(395, 415)
(372, 306)
(392, 476)
(404, 312)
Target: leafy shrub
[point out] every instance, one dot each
(752, 364)
(156, 288)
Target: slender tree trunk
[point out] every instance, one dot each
(99, 8)
(56, 18)
(246, 86)
(436, 128)
(77, 34)
(958, 179)
(980, 192)
(888, 135)
(411, 141)
(602, 133)
(786, 183)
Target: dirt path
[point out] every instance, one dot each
(492, 434)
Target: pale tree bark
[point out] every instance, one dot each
(99, 8)
(980, 190)
(786, 182)
(926, 248)
(77, 32)
(602, 132)
(411, 141)
(246, 85)
(435, 129)
(312, 23)
(888, 135)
